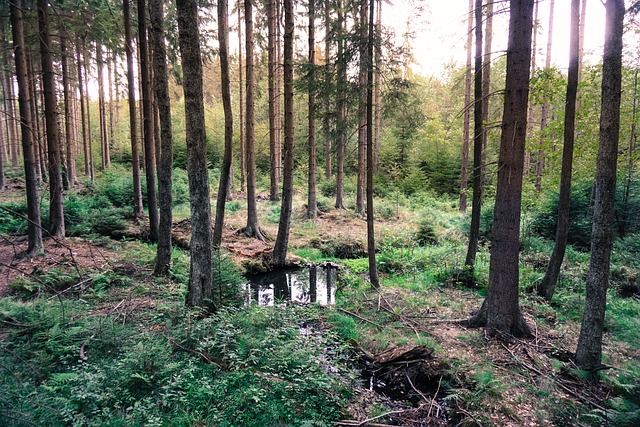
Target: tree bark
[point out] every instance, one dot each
(104, 143)
(138, 211)
(41, 167)
(83, 114)
(225, 172)
(341, 125)
(501, 311)
(589, 351)
(241, 100)
(147, 114)
(362, 109)
(476, 206)
(464, 175)
(9, 103)
(274, 171)
(312, 204)
(486, 88)
(327, 95)
(200, 290)
(71, 162)
(34, 230)
(377, 120)
(85, 54)
(56, 210)
(112, 123)
(527, 152)
(282, 239)
(253, 227)
(546, 288)
(165, 166)
(371, 244)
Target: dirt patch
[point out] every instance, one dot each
(69, 255)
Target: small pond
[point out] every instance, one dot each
(316, 283)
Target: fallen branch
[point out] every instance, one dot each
(368, 422)
(361, 318)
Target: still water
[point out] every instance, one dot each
(301, 285)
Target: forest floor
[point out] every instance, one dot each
(441, 372)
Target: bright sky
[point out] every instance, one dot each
(440, 31)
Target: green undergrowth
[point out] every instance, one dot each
(127, 352)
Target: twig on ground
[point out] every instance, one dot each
(361, 318)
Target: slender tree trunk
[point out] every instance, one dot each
(56, 211)
(34, 229)
(85, 145)
(112, 123)
(312, 204)
(467, 116)
(583, 21)
(241, 99)
(165, 166)
(101, 109)
(223, 42)
(341, 125)
(545, 107)
(147, 113)
(41, 169)
(86, 56)
(371, 244)
(71, 162)
(274, 97)
(279, 94)
(328, 110)
(476, 206)
(377, 121)
(500, 312)
(253, 228)
(362, 110)
(200, 290)
(546, 288)
(282, 239)
(589, 350)
(9, 103)
(138, 211)
(2, 137)
(527, 152)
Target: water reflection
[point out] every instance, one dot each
(300, 285)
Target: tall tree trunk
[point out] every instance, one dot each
(86, 57)
(253, 227)
(147, 113)
(56, 211)
(377, 120)
(362, 109)
(71, 161)
(312, 204)
(527, 152)
(462, 206)
(83, 114)
(546, 288)
(545, 106)
(241, 100)
(328, 108)
(112, 123)
(9, 104)
(474, 232)
(583, 22)
(500, 312)
(200, 290)
(341, 124)
(223, 42)
(282, 239)
(165, 166)
(104, 144)
(272, 26)
(589, 350)
(2, 138)
(34, 229)
(279, 94)
(41, 167)
(371, 244)
(138, 211)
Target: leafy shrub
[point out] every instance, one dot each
(325, 204)
(233, 206)
(426, 234)
(327, 188)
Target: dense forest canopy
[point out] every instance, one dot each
(437, 155)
